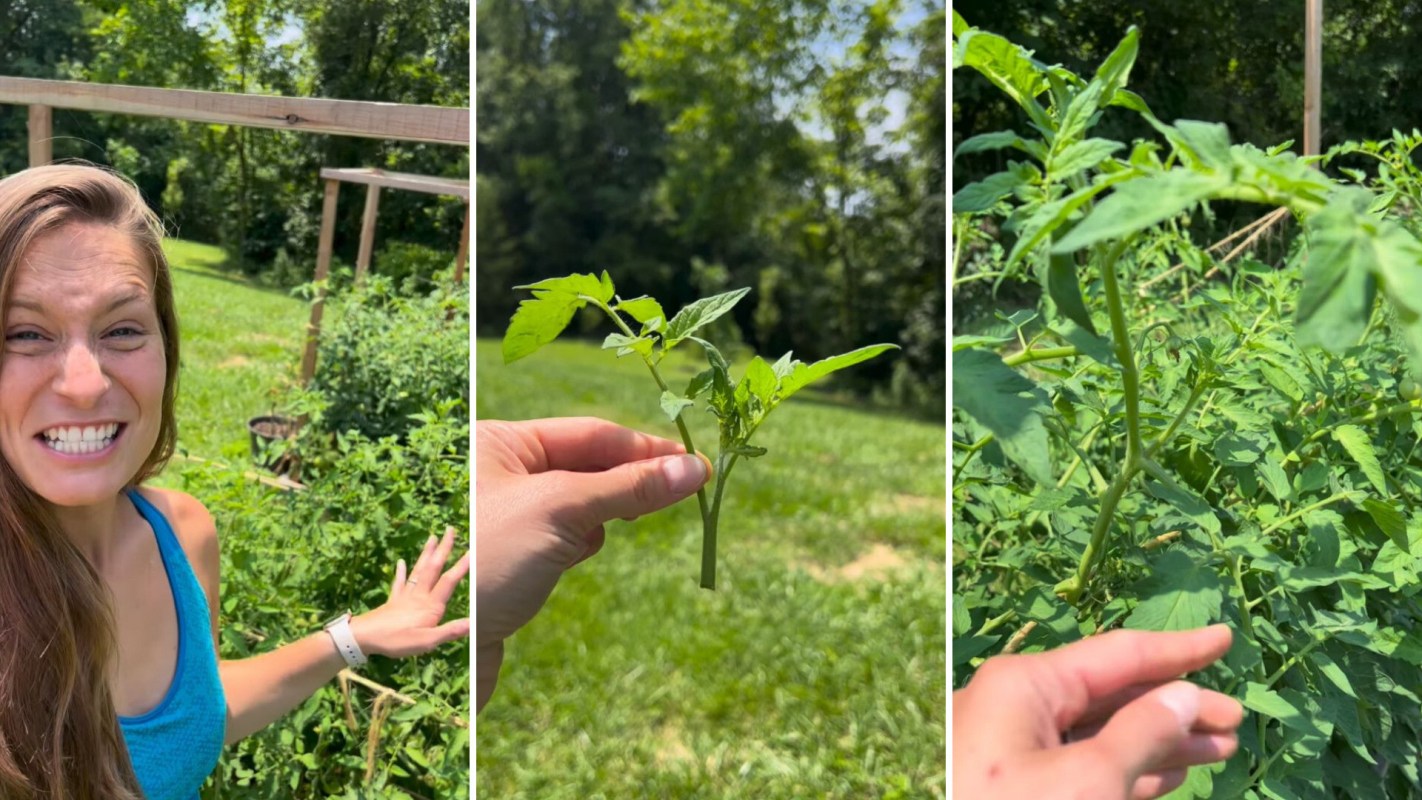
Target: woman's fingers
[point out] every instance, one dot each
(449, 581)
(397, 586)
(1156, 784)
(1219, 713)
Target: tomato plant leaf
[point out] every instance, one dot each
(984, 194)
(1065, 290)
(1139, 204)
(1178, 594)
(1360, 446)
(698, 314)
(643, 309)
(1338, 286)
(802, 374)
(1006, 403)
(538, 321)
(1209, 141)
(672, 405)
(1390, 520)
(1078, 157)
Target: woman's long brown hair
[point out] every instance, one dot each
(59, 730)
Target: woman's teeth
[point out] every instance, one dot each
(77, 441)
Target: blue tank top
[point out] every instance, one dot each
(177, 744)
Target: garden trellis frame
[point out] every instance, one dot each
(374, 180)
(372, 120)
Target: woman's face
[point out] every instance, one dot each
(82, 373)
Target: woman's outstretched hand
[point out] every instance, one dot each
(410, 622)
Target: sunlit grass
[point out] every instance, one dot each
(240, 344)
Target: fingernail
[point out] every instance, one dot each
(685, 474)
(1183, 700)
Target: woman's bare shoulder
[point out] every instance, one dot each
(192, 525)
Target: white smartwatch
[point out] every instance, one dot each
(340, 630)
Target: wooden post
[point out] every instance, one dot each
(1313, 74)
(323, 269)
(367, 232)
(41, 135)
(463, 255)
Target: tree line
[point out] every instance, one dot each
(796, 148)
(257, 193)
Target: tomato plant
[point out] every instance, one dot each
(1136, 453)
(740, 407)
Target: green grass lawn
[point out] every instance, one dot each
(817, 667)
(239, 342)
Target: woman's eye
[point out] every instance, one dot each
(23, 336)
(126, 330)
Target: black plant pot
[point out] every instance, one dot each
(264, 431)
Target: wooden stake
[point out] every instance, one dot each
(367, 232)
(41, 135)
(1313, 74)
(463, 255)
(323, 269)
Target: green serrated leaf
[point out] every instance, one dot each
(700, 313)
(538, 322)
(1360, 446)
(984, 194)
(700, 383)
(1282, 381)
(783, 366)
(1275, 480)
(1008, 66)
(962, 621)
(1006, 403)
(760, 378)
(804, 374)
(1262, 700)
(1390, 520)
(1078, 157)
(617, 340)
(1208, 140)
(643, 309)
(578, 283)
(1338, 288)
(1187, 502)
(1139, 204)
(1065, 290)
(672, 405)
(988, 141)
(1180, 593)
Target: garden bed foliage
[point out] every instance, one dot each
(1225, 442)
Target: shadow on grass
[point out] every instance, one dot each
(247, 283)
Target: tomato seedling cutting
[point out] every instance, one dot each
(740, 407)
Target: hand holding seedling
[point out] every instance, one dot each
(1106, 717)
(544, 488)
(740, 407)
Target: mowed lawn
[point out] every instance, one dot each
(816, 669)
(241, 343)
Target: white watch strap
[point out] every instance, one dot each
(340, 630)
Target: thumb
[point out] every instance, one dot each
(633, 489)
(1143, 734)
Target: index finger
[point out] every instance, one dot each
(1103, 665)
(588, 444)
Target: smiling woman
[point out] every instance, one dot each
(108, 589)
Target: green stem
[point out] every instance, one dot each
(1324, 503)
(1071, 589)
(708, 521)
(1169, 434)
(1395, 410)
(995, 623)
(1040, 354)
(708, 541)
(1294, 659)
